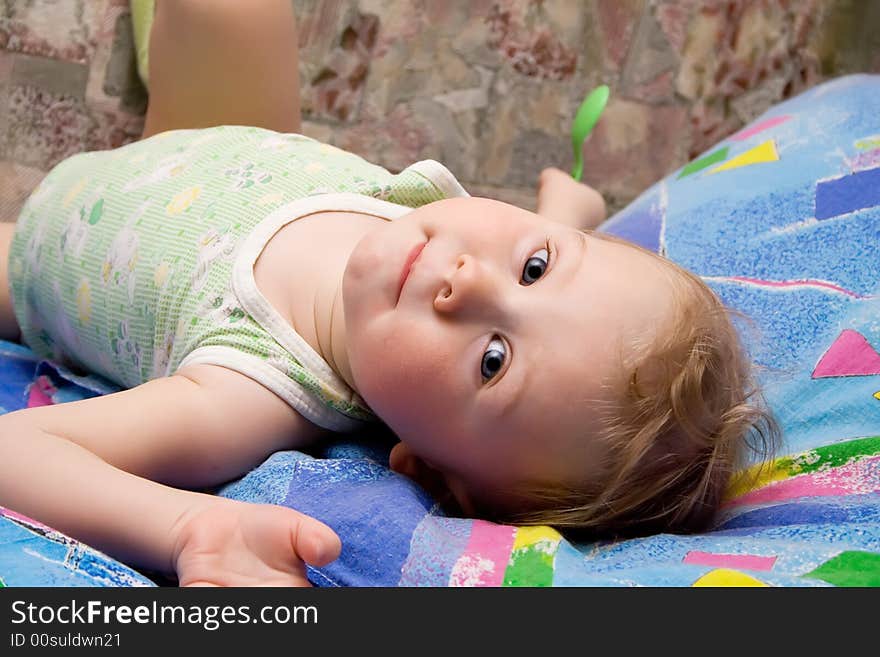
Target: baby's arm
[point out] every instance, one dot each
(562, 198)
(89, 468)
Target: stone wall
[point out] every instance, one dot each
(488, 87)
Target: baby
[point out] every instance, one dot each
(258, 290)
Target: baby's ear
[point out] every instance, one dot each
(442, 487)
(403, 461)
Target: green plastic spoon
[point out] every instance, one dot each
(584, 122)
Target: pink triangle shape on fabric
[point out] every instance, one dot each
(849, 355)
(40, 393)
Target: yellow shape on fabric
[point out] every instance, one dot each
(74, 191)
(160, 274)
(528, 536)
(84, 301)
(765, 152)
(756, 477)
(270, 199)
(868, 143)
(182, 200)
(727, 577)
(877, 395)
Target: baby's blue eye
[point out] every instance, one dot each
(493, 359)
(535, 267)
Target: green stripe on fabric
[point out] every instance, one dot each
(698, 165)
(851, 568)
(532, 557)
(830, 456)
(820, 458)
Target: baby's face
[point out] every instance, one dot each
(487, 359)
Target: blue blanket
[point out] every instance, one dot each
(783, 221)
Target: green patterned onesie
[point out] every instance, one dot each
(133, 262)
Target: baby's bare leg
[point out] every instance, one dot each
(223, 62)
(8, 326)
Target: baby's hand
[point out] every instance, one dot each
(230, 543)
(561, 198)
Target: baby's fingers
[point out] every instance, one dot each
(313, 541)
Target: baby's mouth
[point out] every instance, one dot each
(407, 266)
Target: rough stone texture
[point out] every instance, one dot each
(488, 87)
(67, 84)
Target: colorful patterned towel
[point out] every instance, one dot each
(32, 554)
(783, 220)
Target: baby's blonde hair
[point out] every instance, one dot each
(683, 416)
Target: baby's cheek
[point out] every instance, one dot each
(411, 376)
(411, 381)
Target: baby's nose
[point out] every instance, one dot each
(470, 288)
